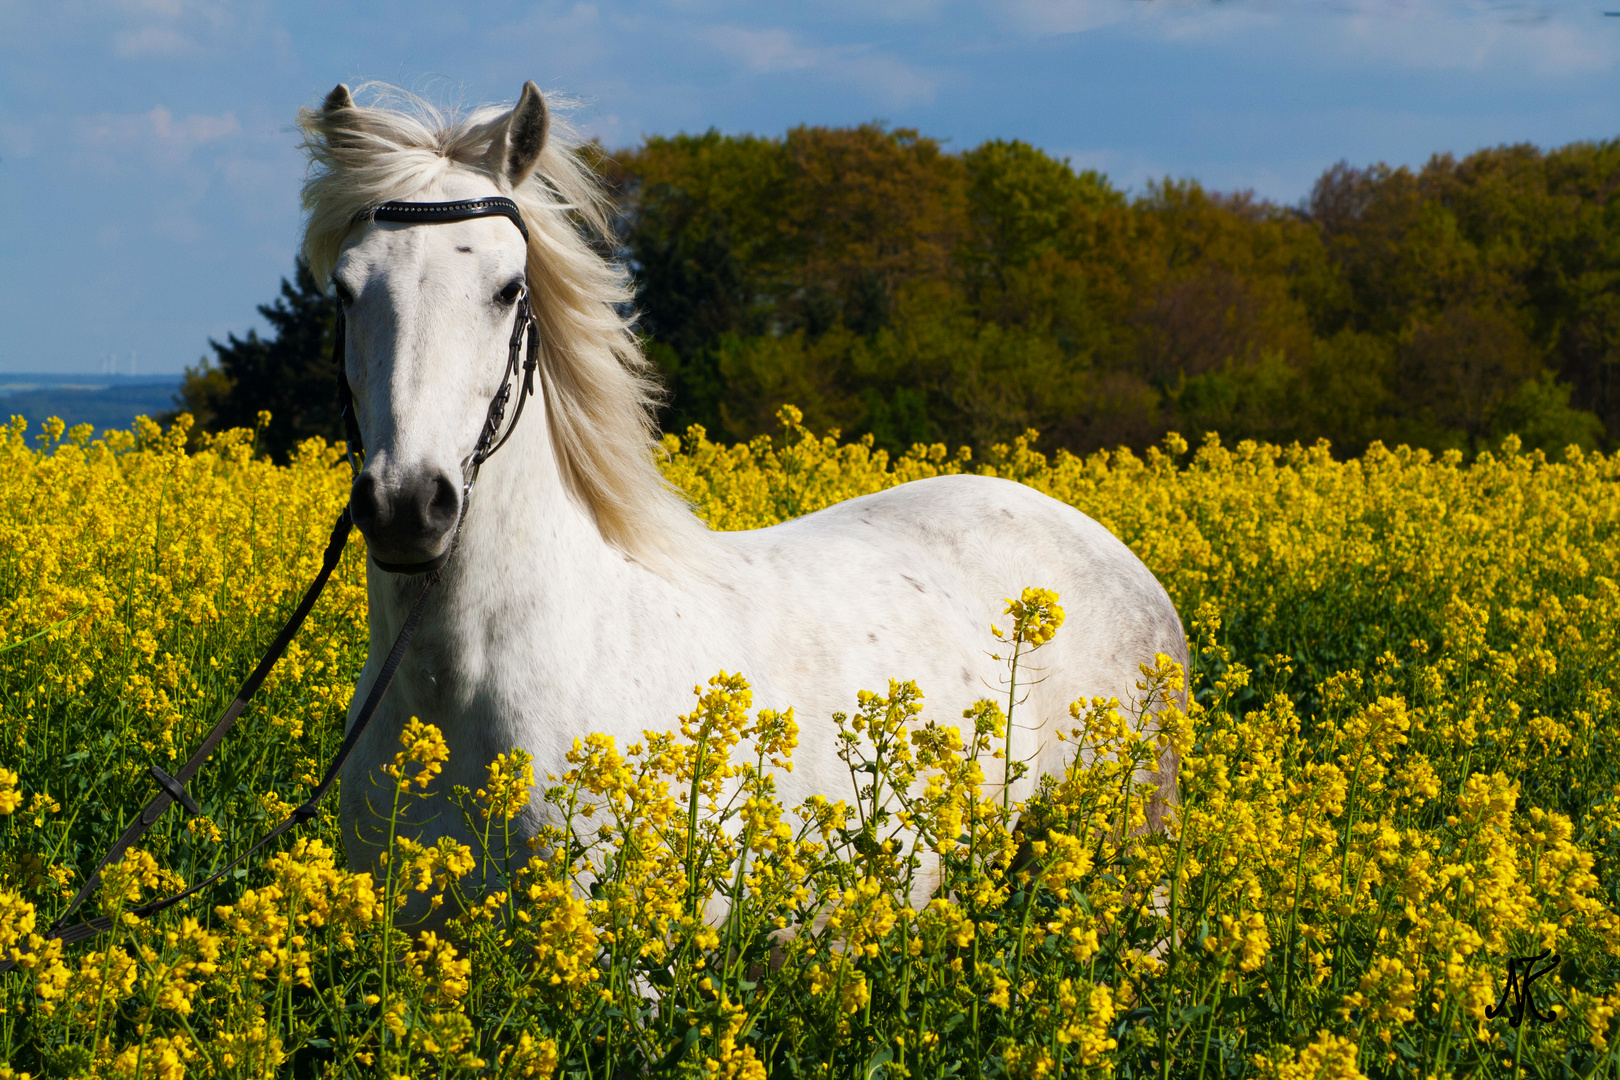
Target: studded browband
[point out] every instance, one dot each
(435, 213)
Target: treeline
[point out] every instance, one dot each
(887, 286)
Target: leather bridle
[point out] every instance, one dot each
(491, 438)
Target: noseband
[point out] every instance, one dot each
(491, 438)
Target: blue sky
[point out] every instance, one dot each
(150, 182)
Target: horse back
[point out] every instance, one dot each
(906, 583)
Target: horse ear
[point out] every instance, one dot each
(340, 120)
(515, 149)
(339, 98)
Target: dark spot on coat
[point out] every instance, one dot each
(464, 250)
(967, 676)
(871, 637)
(915, 584)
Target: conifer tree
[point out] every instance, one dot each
(289, 374)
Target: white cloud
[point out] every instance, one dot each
(177, 224)
(159, 41)
(1434, 35)
(906, 10)
(192, 129)
(164, 29)
(892, 79)
(1439, 35)
(1446, 35)
(171, 9)
(1048, 17)
(765, 52)
(164, 136)
(263, 189)
(16, 140)
(889, 11)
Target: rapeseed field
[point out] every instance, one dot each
(1401, 771)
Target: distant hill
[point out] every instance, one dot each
(105, 401)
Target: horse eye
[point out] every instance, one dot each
(341, 291)
(510, 294)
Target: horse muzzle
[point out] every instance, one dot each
(409, 524)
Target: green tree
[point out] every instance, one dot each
(748, 251)
(1484, 273)
(290, 374)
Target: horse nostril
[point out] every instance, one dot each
(365, 506)
(444, 504)
(402, 520)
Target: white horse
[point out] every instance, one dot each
(584, 595)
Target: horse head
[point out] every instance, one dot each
(431, 316)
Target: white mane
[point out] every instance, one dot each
(599, 388)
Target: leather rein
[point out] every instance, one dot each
(172, 788)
